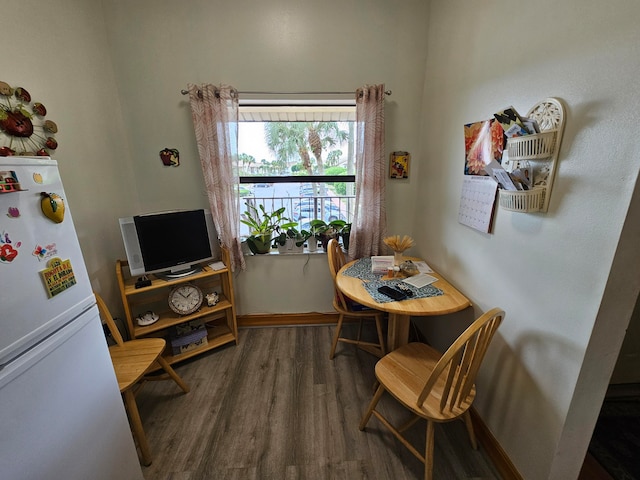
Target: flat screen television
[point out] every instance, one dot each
(171, 243)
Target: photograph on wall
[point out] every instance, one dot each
(484, 142)
(399, 165)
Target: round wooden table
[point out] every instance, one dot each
(400, 312)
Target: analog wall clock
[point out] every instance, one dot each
(185, 299)
(24, 129)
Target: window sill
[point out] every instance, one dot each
(274, 251)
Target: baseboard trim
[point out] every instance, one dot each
(286, 319)
(494, 451)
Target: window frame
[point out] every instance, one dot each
(245, 179)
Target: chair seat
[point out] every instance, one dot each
(133, 358)
(402, 373)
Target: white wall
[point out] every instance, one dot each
(548, 271)
(280, 45)
(58, 51)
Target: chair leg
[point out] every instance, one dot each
(380, 336)
(469, 425)
(336, 336)
(428, 452)
(172, 373)
(359, 331)
(136, 425)
(409, 423)
(372, 405)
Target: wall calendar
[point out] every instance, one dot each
(477, 202)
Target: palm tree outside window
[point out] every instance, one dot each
(300, 158)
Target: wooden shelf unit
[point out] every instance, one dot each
(220, 319)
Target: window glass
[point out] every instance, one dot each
(300, 157)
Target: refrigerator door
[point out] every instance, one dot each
(29, 241)
(61, 412)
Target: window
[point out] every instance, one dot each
(300, 157)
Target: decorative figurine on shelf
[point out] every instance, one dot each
(147, 318)
(212, 298)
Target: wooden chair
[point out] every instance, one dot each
(131, 360)
(434, 386)
(345, 307)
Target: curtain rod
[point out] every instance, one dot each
(386, 92)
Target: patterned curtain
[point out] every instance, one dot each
(370, 219)
(215, 119)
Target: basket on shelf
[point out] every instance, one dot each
(538, 145)
(522, 201)
(187, 337)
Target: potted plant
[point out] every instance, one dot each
(316, 229)
(327, 231)
(345, 233)
(288, 238)
(261, 225)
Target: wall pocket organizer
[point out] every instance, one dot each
(538, 151)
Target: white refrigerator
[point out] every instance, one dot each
(61, 413)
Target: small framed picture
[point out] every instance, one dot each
(399, 165)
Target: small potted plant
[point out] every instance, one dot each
(261, 225)
(345, 233)
(316, 229)
(327, 231)
(288, 239)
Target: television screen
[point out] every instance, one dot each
(169, 242)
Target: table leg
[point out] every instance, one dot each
(398, 333)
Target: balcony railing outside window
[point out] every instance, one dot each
(301, 208)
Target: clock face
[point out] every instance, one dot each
(185, 299)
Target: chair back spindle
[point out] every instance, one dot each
(336, 262)
(458, 367)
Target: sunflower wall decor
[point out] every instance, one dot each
(23, 128)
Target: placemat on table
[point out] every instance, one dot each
(372, 281)
(423, 292)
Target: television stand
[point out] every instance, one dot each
(219, 319)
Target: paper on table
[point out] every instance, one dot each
(217, 265)
(422, 266)
(420, 280)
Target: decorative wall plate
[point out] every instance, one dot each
(23, 127)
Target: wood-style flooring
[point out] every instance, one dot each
(275, 407)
